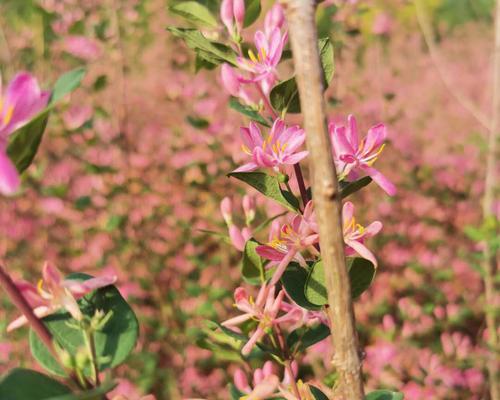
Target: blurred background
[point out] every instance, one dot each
(133, 167)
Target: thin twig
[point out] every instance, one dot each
(490, 258)
(303, 35)
(460, 97)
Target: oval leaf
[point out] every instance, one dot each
(113, 343)
(194, 12)
(269, 186)
(252, 268)
(294, 280)
(25, 384)
(348, 188)
(384, 395)
(252, 12)
(247, 111)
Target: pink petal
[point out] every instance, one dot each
(260, 41)
(9, 177)
(380, 179)
(362, 250)
(248, 167)
(295, 158)
(375, 138)
(256, 336)
(269, 253)
(352, 134)
(373, 229)
(347, 212)
(51, 275)
(40, 312)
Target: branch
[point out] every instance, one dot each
(460, 97)
(302, 26)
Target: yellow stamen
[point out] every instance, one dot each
(39, 286)
(252, 56)
(246, 149)
(8, 115)
(360, 228)
(263, 53)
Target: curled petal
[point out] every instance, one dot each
(381, 180)
(362, 250)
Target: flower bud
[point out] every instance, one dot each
(249, 208)
(275, 18)
(226, 14)
(230, 80)
(236, 237)
(239, 13)
(240, 380)
(226, 209)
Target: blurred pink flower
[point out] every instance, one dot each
(53, 293)
(278, 149)
(76, 116)
(83, 47)
(383, 24)
(22, 100)
(353, 157)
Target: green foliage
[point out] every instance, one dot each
(348, 188)
(304, 337)
(284, 96)
(318, 394)
(252, 12)
(459, 12)
(252, 267)
(93, 394)
(194, 12)
(114, 342)
(25, 384)
(208, 50)
(294, 280)
(384, 395)
(23, 143)
(269, 186)
(361, 274)
(248, 112)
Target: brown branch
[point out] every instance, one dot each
(490, 264)
(303, 35)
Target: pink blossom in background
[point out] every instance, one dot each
(22, 100)
(354, 157)
(82, 47)
(53, 293)
(278, 149)
(76, 116)
(383, 24)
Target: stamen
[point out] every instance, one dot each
(252, 56)
(8, 115)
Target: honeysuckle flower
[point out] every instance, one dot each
(299, 234)
(263, 65)
(265, 381)
(354, 157)
(264, 309)
(53, 293)
(22, 100)
(355, 234)
(275, 18)
(238, 236)
(232, 82)
(302, 315)
(233, 12)
(279, 148)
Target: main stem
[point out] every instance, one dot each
(302, 26)
(490, 262)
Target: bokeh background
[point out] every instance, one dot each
(133, 166)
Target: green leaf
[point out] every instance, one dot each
(384, 395)
(197, 122)
(252, 268)
(24, 142)
(326, 56)
(294, 280)
(348, 188)
(248, 111)
(252, 12)
(318, 394)
(200, 63)
(25, 384)
(285, 97)
(213, 52)
(361, 274)
(113, 343)
(269, 186)
(194, 12)
(304, 337)
(67, 83)
(315, 289)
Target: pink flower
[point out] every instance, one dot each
(76, 116)
(233, 85)
(303, 316)
(233, 11)
(265, 310)
(22, 100)
(285, 245)
(263, 65)
(53, 293)
(275, 18)
(277, 149)
(83, 47)
(238, 236)
(353, 157)
(355, 234)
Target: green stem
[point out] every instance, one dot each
(90, 344)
